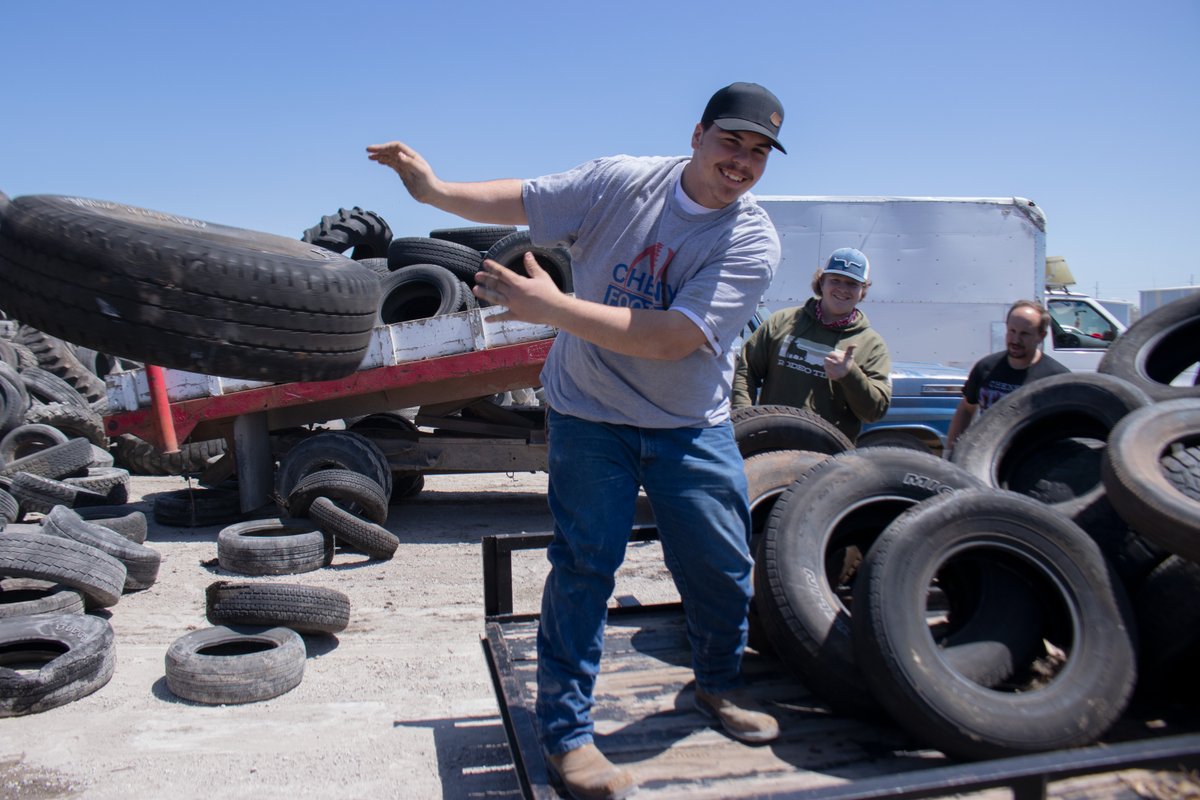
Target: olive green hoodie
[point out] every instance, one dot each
(783, 363)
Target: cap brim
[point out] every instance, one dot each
(730, 124)
(849, 275)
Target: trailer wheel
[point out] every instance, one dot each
(820, 529)
(363, 232)
(759, 429)
(272, 547)
(141, 562)
(1158, 348)
(49, 660)
(94, 574)
(477, 237)
(460, 260)
(353, 491)
(510, 252)
(366, 537)
(223, 666)
(304, 609)
(23, 597)
(1069, 697)
(1141, 488)
(421, 291)
(332, 450)
(185, 294)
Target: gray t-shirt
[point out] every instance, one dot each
(633, 244)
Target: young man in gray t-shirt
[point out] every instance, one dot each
(670, 257)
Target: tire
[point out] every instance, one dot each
(1157, 348)
(366, 537)
(510, 252)
(14, 400)
(461, 261)
(1182, 467)
(94, 574)
(332, 450)
(304, 609)
(130, 524)
(1087, 623)
(75, 654)
(357, 493)
(477, 237)
(421, 291)
(59, 358)
(112, 482)
(1167, 604)
(185, 294)
(58, 461)
(71, 419)
(142, 458)
(1139, 485)
(41, 495)
(759, 429)
(141, 562)
(405, 486)
(25, 440)
(363, 231)
(22, 597)
(10, 510)
(46, 387)
(222, 666)
(891, 438)
(272, 547)
(821, 527)
(196, 508)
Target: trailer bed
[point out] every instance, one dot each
(645, 720)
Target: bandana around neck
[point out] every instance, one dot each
(845, 321)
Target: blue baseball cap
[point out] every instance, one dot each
(849, 262)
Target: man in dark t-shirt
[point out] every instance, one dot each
(1021, 362)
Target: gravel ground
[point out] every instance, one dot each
(400, 704)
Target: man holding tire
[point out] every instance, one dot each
(670, 256)
(1020, 362)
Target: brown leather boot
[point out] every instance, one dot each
(588, 775)
(740, 716)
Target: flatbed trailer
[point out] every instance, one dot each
(645, 719)
(440, 365)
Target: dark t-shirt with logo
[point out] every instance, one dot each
(991, 378)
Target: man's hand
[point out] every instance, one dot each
(418, 176)
(838, 363)
(529, 299)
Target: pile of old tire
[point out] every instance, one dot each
(41, 468)
(183, 293)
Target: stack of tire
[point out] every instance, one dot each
(426, 276)
(1013, 599)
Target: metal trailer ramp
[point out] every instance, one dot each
(645, 720)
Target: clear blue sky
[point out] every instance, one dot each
(256, 114)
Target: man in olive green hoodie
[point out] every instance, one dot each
(822, 356)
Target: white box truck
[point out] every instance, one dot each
(1150, 299)
(944, 271)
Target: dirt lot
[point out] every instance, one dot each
(399, 704)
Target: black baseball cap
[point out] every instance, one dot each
(746, 107)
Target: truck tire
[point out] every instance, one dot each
(821, 527)
(46, 387)
(353, 491)
(1140, 487)
(14, 399)
(196, 508)
(1157, 348)
(23, 597)
(73, 420)
(332, 450)
(272, 547)
(510, 252)
(59, 358)
(76, 655)
(142, 458)
(461, 261)
(365, 233)
(1068, 699)
(477, 237)
(10, 510)
(222, 666)
(304, 609)
(366, 537)
(40, 495)
(25, 440)
(141, 562)
(759, 429)
(130, 524)
(57, 461)
(111, 482)
(94, 574)
(185, 294)
(421, 291)
(1167, 603)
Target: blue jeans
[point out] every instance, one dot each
(695, 481)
